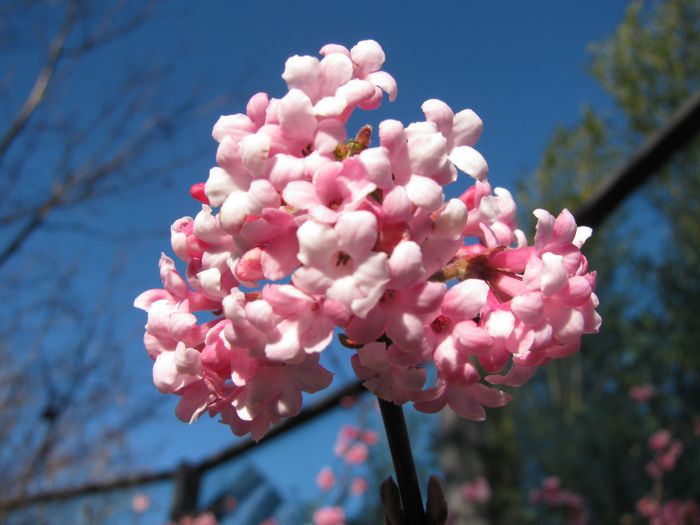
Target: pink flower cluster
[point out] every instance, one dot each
(673, 512)
(666, 452)
(304, 229)
(550, 494)
(352, 447)
(652, 507)
(352, 443)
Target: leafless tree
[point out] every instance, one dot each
(69, 144)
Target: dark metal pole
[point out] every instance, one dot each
(683, 125)
(402, 457)
(186, 494)
(133, 480)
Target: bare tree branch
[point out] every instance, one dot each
(106, 31)
(82, 183)
(41, 84)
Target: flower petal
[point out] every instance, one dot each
(424, 193)
(405, 265)
(357, 232)
(368, 56)
(297, 119)
(470, 161)
(466, 299)
(378, 165)
(467, 128)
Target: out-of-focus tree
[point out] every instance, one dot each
(576, 420)
(580, 422)
(77, 138)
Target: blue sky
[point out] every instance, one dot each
(519, 65)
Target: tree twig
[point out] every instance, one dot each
(41, 84)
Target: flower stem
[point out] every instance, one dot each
(402, 457)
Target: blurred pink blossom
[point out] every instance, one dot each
(666, 453)
(370, 437)
(476, 491)
(660, 440)
(358, 486)
(357, 454)
(325, 479)
(347, 402)
(329, 516)
(641, 394)
(206, 518)
(140, 503)
(550, 494)
(673, 512)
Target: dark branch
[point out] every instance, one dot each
(683, 125)
(238, 449)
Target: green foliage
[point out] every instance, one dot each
(650, 65)
(577, 420)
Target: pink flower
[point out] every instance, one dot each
(274, 239)
(370, 437)
(173, 371)
(461, 132)
(491, 217)
(647, 507)
(550, 494)
(357, 454)
(140, 503)
(676, 511)
(267, 392)
(347, 402)
(335, 188)
(668, 459)
(339, 263)
(456, 338)
(358, 486)
(392, 382)
(170, 318)
(329, 516)
(206, 519)
(653, 470)
(349, 433)
(660, 440)
(415, 156)
(477, 490)
(325, 479)
(400, 314)
(641, 394)
(284, 325)
(673, 512)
